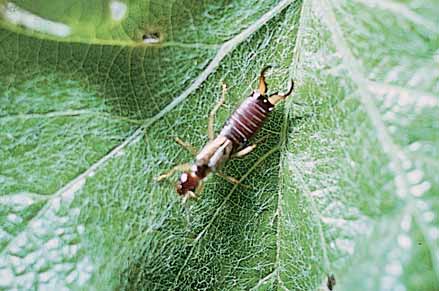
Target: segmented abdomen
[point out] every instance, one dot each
(247, 119)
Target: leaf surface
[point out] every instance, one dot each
(343, 183)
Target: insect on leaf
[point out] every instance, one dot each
(341, 191)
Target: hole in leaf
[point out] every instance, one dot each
(151, 37)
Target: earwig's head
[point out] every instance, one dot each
(187, 184)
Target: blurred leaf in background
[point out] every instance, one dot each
(93, 93)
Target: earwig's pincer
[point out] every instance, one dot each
(265, 69)
(290, 88)
(233, 138)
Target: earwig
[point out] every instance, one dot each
(232, 141)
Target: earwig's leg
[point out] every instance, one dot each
(211, 122)
(244, 151)
(275, 98)
(231, 179)
(182, 167)
(228, 178)
(187, 146)
(262, 84)
(200, 187)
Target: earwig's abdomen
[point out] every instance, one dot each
(247, 119)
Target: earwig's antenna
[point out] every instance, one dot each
(188, 195)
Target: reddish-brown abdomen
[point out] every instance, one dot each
(247, 119)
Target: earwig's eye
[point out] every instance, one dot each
(183, 177)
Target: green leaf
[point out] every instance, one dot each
(343, 180)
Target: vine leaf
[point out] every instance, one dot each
(342, 182)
